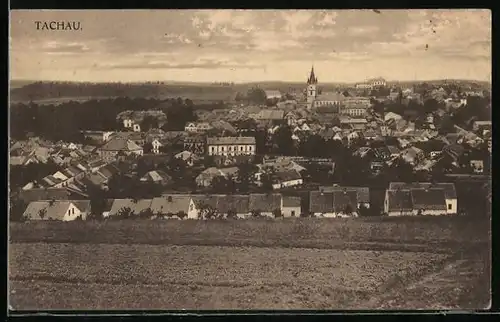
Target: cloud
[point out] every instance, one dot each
(212, 40)
(54, 47)
(201, 64)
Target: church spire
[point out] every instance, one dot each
(312, 78)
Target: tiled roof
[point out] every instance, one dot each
(341, 199)
(399, 200)
(291, 201)
(44, 194)
(428, 199)
(363, 193)
(170, 204)
(321, 202)
(288, 175)
(136, 207)
(120, 144)
(269, 114)
(449, 188)
(265, 202)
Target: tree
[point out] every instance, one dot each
(208, 212)
(256, 96)
(149, 122)
(348, 209)
(148, 147)
(42, 212)
(182, 215)
(277, 213)
(256, 213)
(231, 214)
(245, 177)
(363, 211)
(17, 208)
(283, 140)
(124, 213)
(146, 214)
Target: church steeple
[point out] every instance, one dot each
(312, 78)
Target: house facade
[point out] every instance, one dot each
(231, 146)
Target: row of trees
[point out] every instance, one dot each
(65, 121)
(51, 90)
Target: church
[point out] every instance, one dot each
(352, 106)
(314, 99)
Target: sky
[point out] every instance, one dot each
(252, 45)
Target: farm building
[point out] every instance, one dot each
(63, 210)
(291, 206)
(420, 198)
(175, 205)
(265, 204)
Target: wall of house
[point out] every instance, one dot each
(72, 213)
(325, 215)
(290, 211)
(454, 208)
(399, 213)
(193, 212)
(428, 212)
(233, 149)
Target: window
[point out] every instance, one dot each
(213, 149)
(449, 206)
(241, 148)
(250, 148)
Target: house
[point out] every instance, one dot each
(291, 206)
(362, 193)
(337, 203)
(64, 210)
(393, 151)
(477, 166)
(225, 205)
(273, 94)
(450, 194)
(187, 156)
(156, 176)
(223, 127)
(398, 203)
(195, 144)
(412, 155)
(321, 204)
(363, 152)
(291, 118)
(36, 194)
(392, 116)
(287, 178)
(175, 205)
(116, 145)
(481, 125)
(156, 144)
(231, 145)
(97, 136)
(265, 204)
(268, 115)
(205, 178)
(200, 127)
(136, 207)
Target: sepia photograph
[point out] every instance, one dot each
(249, 160)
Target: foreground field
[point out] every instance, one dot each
(297, 264)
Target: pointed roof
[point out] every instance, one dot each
(312, 78)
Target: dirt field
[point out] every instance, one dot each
(154, 273)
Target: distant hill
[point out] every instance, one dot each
(46, 92)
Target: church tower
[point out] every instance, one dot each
(311, 91)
